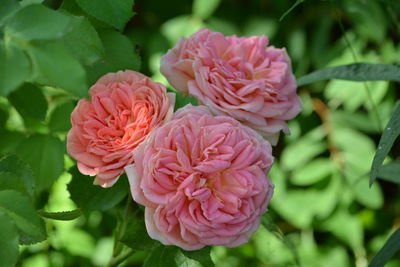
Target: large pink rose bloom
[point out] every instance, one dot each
(124, 108)
(202, 179)
(239, 77)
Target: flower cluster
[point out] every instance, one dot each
(201, 173)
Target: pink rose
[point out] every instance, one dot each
(239, 77)
(202, 179)
(124, 108)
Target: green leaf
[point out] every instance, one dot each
(162, 256)
(354, 72)
(312, 172)
(15, 68)
(8, 9)
(389, 135)
(44, 24)
(60, 117)
(371, 197)
(390, 172)
(62, 215)
(205, 8)
(298, 2)
(391, 246)
(19, 208)
(10, 140)
(87, 50)
(45, 155)
(119, 55)
(29, 101)
(21, 171)
(113, 12)
(9, 238)
(202, 256)
(182, 100)
(93, 197)
(136, 236)
(55, 66)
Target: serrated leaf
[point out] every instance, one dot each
(389, 135)
(113, 12)
(9, 241)
(388, 250)
(136, 236)
(61, 215)
(29, 101)
(55, 66)
(390, 172)
(354, 72)
(202, 256)
(205, 8)
(87, 50)
(12, 164)
(14, 69)
(21, 210)
(44, 24)
(88, 196)
(45, 155)
(60, 117)
(162, 256)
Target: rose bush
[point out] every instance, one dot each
(202, 179)
(124, 108)
(239, 77)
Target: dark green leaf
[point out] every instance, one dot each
(62, 215)
(390, 172)
(88, 49)
(391, 246)
(202, 256)
(19, 208)
(60, 117)
(54, 65)
(136, 236)
(354, 72)
(45, 155)
(182, 100)
(29, 101)
(389, 135)
(7, 9)
(15, 68)
(113, 12)
(44, 24)
(119, 55)
(25, 180)
(9, 241)
(9, 141)
(162, 256)
(93, 197)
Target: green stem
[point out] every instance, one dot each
(115, 261)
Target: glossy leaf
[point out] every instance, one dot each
(45, 155)
(29, 102)
(93, 197)
(113, 12)
(44, 24)
(20, 209)
(9, 241)
(14, 69)
(162, 256)
(354, 72)
(389, 135)
(391, 246)
(202, 256)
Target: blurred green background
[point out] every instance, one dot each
(322, 202)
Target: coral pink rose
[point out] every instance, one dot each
(239, 77)
(202, 179)
(124, 108)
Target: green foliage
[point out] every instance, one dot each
(9, 248)
(390, 172)
(136, 236)
(162, 256)
(62, 215)
(205, 8)
(391, 246)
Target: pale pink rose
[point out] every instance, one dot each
(124, 108)
(239, 77)
(202, 179)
